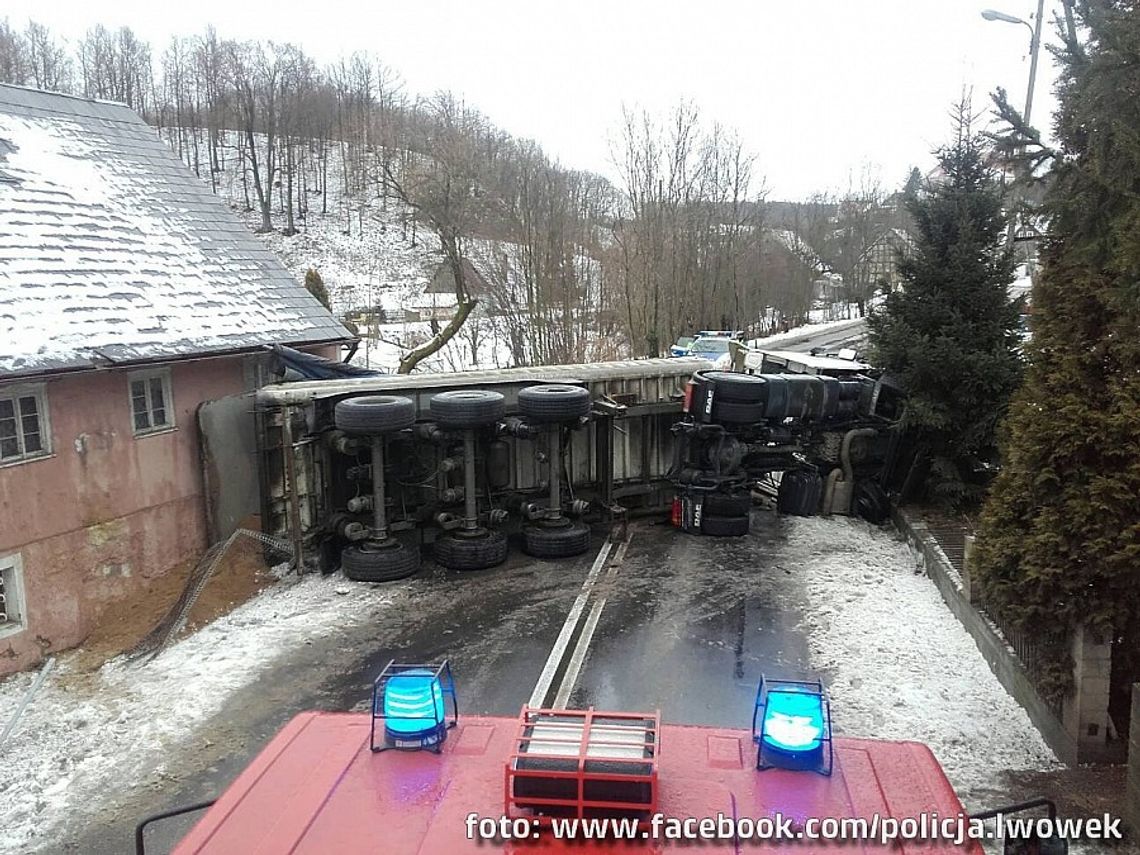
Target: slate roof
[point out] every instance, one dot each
(112, 251)
(444, 283)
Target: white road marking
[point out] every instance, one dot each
(578, 657)
(542, 687)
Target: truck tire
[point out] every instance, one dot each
(735, 413)
(799, 493)
(554, 402)
(467, 408)
(724, 526)
(735, 387)
(379, 563)
(556, 542)
(777, 398)
(721, 505)
(457, 552)
(375, 414)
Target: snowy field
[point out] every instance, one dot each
(120, 724)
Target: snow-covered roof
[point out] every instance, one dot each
(112, 251)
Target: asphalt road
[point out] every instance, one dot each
(667, 621)
(684, 624)
(848, 335)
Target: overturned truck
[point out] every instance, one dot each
(366, 472)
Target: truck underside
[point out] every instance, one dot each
(468, 458)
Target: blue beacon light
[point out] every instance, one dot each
(793, 721)
(412, 702)
(791, 726)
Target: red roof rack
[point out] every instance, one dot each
(578, 762)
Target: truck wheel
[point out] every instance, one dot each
(556, 542)
(720, 505)
(459, 552)
(373, 414)
(379, 562)
(733, 413)
(554, 402)
(467, 408)
(736, 387)
(724, 526)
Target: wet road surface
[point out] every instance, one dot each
(691, 623)
(687, 626)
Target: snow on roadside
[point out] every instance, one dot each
(87, 737)
(899, 665)
(792, 336)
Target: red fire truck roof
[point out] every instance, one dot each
(318, 788)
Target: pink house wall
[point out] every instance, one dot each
(107, 510)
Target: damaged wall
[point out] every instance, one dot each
(107, 510)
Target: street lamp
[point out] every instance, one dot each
(995, 15)
(1034, 46)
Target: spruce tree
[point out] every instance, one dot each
(316, 286)
(1059, 544)
(949, 335)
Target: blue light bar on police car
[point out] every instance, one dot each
(791, 726)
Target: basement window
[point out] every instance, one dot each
(152, 407)
(11, 595)
(24, 431)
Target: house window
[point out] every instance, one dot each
(11, 595)
(23, 424)
(152, 408)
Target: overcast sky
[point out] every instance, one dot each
(821, 91)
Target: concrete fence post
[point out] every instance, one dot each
(1132, 797)
(1085, 711)
(968, 587)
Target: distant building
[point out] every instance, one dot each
(129, 295)
(878, 266)
(438, 299)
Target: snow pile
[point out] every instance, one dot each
(898, 663)
(85, 733)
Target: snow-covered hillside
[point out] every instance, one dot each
(369, 256)
(362, 249)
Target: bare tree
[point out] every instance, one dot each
(447, 191)
(49, 64)
(116, 67)
(257, 74)
(15, 64)
(861, 221)
(689, 223)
